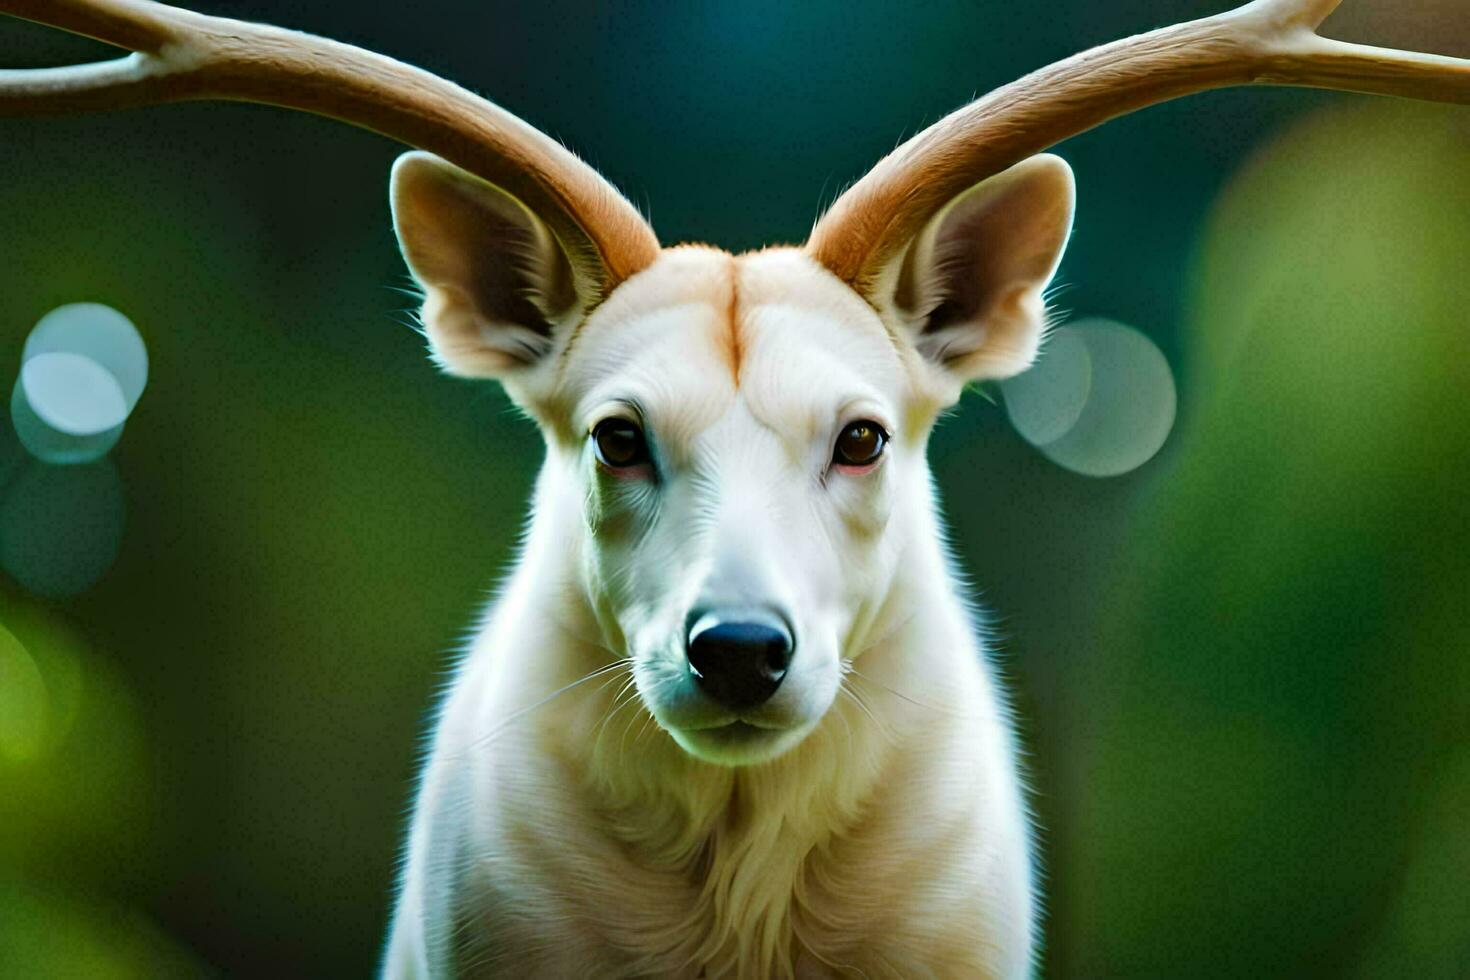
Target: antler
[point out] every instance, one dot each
(180, 55)
(1271, 42)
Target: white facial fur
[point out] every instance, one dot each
(742, 372)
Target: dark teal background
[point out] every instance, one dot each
(1240, 671)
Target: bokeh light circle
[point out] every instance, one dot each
(100, 334)
(83, 368)
(1121, 409)
(73, 393)
(1045, 402)
(79, 393)
(61, 527)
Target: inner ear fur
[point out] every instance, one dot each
(497, 283)
(969, 287)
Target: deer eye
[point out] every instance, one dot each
(619, 443)
(859, 444)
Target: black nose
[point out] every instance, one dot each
(739, 658)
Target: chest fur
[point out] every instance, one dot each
(815, 869)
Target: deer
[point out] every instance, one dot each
(732, 713)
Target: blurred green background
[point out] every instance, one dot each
(1241, 670)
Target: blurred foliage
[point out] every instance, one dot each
(47, 936)
(1240, 669)
(1289, 671)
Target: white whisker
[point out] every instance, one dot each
(516, 716)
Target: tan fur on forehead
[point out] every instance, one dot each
(660, 343)
(701, 325)
(789, 277)
(701, 274)
(813, 352)
(682, 274)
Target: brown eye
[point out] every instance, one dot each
(619, 443)
(859, 444)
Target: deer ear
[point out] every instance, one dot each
(498, 285)
(969, 286)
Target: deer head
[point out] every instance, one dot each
(735, 444)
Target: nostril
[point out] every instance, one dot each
(778, 651)
(739, 662)
(777, 656)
